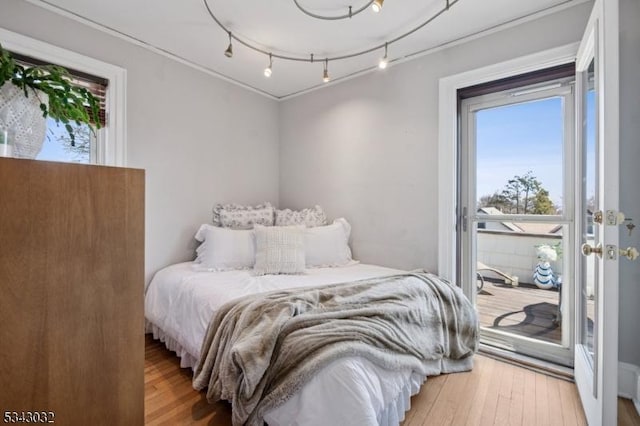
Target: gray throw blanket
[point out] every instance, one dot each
(259, 350)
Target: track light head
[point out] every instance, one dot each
(229, 52)
(325, 74)
(384, 61)
(268, 70)
(377, 5)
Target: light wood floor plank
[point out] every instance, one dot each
(516, 408)
(627, 414)
(484, 369)
(425, 400)
(488, 414)
(494, 393)
(529, 409)
(556, 416)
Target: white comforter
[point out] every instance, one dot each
(180, 302)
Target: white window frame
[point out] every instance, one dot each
(113, 152)
(448, 138)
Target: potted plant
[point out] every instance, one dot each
(28, 95)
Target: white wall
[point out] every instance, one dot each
(629, 346)
(366, 149)
(201, 140)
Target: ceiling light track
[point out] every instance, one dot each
(350, 14)
(310, 57)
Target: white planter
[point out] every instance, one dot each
(22, 115)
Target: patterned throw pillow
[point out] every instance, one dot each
(237, 216)
(309, 217)
(279, 250)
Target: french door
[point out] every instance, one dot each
(597, 195)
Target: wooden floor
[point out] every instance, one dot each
(494, 393)
(525, 310)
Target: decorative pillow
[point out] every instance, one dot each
(309, 217)
(236, 216)
(279, 250)
(327, 246)
(225, 249)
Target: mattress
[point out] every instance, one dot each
(181, 300)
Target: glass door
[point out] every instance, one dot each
(598, 195)
(517, 168)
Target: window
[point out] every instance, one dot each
(57, 144)
(110, 146)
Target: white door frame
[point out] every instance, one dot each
(448, 138)
(562, 352)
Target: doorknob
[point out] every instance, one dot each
(630, 253)
(588, 250)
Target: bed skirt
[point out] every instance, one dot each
(186, 359)
(391, 415)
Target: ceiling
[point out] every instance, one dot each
(185, 29)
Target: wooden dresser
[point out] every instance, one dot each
(71, 292)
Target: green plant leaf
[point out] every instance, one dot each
(67, 102)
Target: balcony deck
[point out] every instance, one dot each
(525, 310)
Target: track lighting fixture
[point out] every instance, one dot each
(384, 61)
(325, 75)
(268, 70)
(376, 5)
(229, 52)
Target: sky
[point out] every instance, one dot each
(515, 139)
(52, 149)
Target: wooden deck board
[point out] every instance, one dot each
(524, 310)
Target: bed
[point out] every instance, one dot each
(276, 317)
(181, 301)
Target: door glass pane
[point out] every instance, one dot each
(589, 290)
(519, 273)
(519, 157)
(519, 268)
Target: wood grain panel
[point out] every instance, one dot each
(71, 312)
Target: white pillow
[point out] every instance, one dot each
(225, 249)
(279, 250)
(327, 246)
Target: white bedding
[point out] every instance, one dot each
(180, 302)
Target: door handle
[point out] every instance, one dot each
(588, 250)
(630, 253)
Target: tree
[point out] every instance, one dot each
(522, 190)
(542, 204)
(496, 200)
(521, 195)
(81, 149)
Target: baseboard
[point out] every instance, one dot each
(629, 383)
